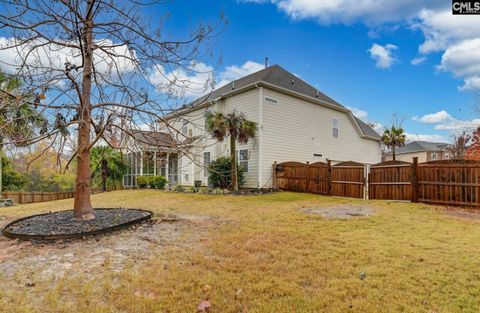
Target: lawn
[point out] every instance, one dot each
(249, 254)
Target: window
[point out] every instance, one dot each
(184, 127)
(335, 127)
(242, 157)
(434, 156)
(271, 100)
(446, 156)
(206, 163)
(186, 177)
(206, 115)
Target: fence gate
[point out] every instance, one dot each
(318, 178)
(348, 180)
(390, 180)
(291, 176)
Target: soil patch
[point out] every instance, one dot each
(62, 225)
(341, 211)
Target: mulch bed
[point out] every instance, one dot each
(62, 225)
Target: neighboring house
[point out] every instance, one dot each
(425, 151)
(296, 122)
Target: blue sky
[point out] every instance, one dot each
(331, 48)
(411, 57)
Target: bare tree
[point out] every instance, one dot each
(94, 66)
(460, 145)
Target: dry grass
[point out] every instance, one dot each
(271, 257)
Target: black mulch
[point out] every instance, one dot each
(61, 225)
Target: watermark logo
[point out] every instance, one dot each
(465, 7)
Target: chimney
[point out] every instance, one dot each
(266, 62)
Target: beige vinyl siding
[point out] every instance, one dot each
(408, 157)
(247, 103)
(295, 129)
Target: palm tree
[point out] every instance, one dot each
(17, 117)
(238, 128)
(393, 138)
(107, 165)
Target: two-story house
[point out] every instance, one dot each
(296, 122)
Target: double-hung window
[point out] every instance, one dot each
(206, 163)
(242, 158)
(335, 128)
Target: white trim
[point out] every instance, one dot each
(260, 137)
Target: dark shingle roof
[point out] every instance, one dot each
(279, 77)
(275, 75)
(421, 146)
(367, 129)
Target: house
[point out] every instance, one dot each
(296, 122)
(424, 150)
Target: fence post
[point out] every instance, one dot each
(329, 177)
(307, 177)
(415, 180)
(274, 182)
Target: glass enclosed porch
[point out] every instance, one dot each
(150, 163)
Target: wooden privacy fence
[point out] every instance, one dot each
(346, 179)
(391, 180)
(32, 197)
(446, 182)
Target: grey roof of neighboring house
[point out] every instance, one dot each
(421, 146)
(277, 76)
(153, 138)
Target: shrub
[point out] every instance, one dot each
(203, 190)
(190, 189)
(143, 181)
(178, 188)
(157, 182)
(218, 191)
(220, 173)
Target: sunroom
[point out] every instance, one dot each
(150, 154)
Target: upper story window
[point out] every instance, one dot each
(335, 128)
(184, 127)
(206, 163)
(206, 114)
(242, 157)
(447, 156)
(434, 156)
(271, 100)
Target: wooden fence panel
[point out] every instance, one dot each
(22, 197)
(348, 180)
(449, 182)
(318, 178)
(390, 180)
(291, 176)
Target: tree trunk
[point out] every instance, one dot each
(393, 153)
(82, 205)
(233, 164)
(104, 175)
(1, 172)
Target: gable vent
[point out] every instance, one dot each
(271, 100)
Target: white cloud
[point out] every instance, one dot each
(418, 61)
(49, 56)
(424, 137)
(383, 55)
(444, 121)
(434, 118)
(471, 84)
(361, 114)
(197, 79)
(234, 72)
(351, 11)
